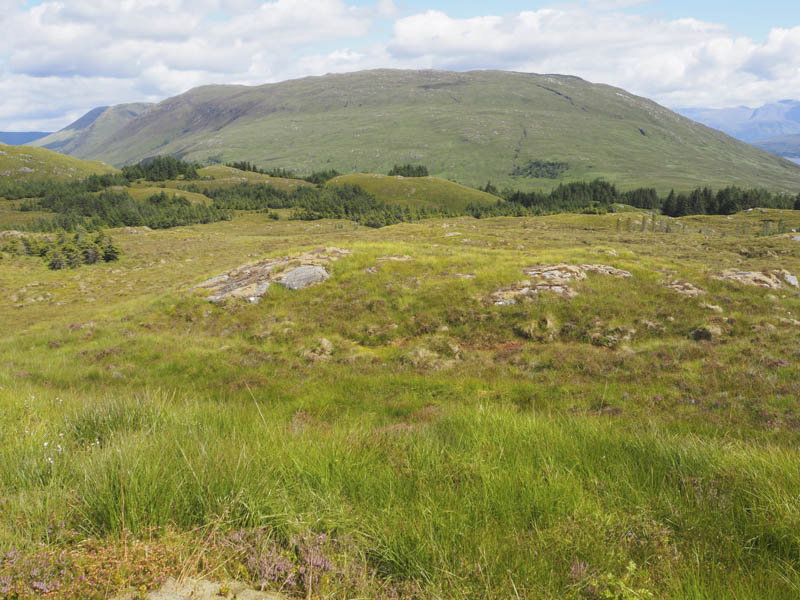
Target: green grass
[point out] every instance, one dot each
(418, 192)
(469, 127)
(496, 464)
(28, 163)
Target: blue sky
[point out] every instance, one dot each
(58, 59)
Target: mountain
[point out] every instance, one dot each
(18, 138)
(751, 124)
(25, 163)
(787, 146)
(470, 127)
(86, 137)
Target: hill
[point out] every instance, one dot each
(86, 137)
(751, 124)
(27, 163)
(18, 138)
(469, 127)
(418, 192)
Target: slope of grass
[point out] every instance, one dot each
(418, 192)
(469, 127)
(27, 163)
(440, 447)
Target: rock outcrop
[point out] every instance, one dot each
(773, 279)
(556, 278)
(251, 282)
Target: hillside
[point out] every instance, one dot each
(418, 192)
(469, 127)
(86, 137)
(25, 163)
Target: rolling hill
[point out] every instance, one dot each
(418, 192)
(25, 162)
(470, 127)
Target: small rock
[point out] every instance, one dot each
(712, 307)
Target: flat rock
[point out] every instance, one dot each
(556, 279)
(773, 279)
(304, 276)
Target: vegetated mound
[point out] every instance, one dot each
(22, 163)
(86, 137)
(224, 176)
(471, 127)
(418, 192)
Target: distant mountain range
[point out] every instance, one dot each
(773, 127)
(18, 138)
(523, 130)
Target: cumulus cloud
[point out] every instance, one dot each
(62, 57)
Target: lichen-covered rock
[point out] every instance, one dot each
(304, 276)
(556, 279)
(773, 279)
(251, 282)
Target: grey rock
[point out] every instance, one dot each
(304, 276)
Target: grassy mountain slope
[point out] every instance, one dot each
(470, 127)
(25, 162)
(86, 137)
(418, 192)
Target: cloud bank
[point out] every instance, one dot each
(60, 58)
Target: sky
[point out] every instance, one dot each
(59, 59)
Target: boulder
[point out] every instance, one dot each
(304, 276)
(551, 278)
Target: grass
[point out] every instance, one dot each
(444, 449)
(418, 192)
(28, 163)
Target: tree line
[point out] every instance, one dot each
(599, 196)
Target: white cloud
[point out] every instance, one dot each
(684, 62)
(63, 57)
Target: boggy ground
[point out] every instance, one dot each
(392, 432)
